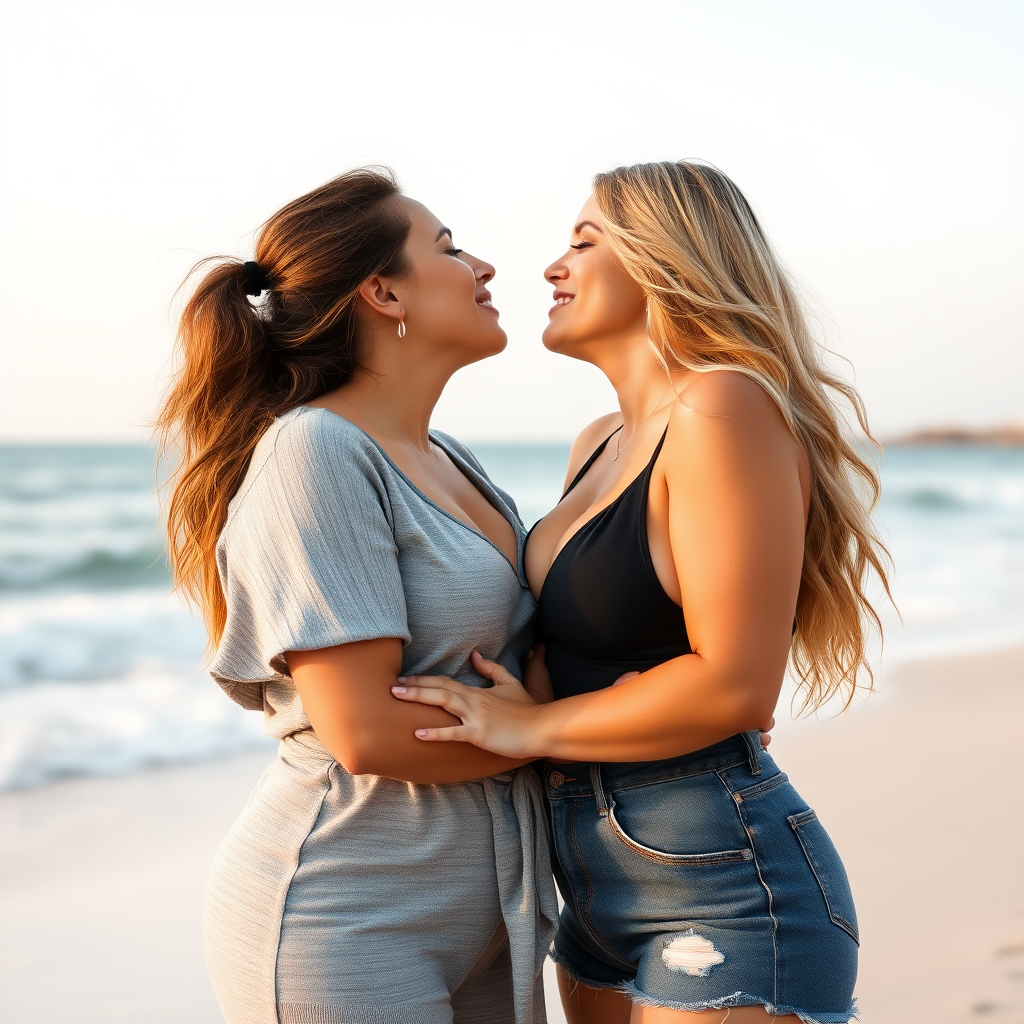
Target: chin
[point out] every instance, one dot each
(496, 341)
(568, 346)
(553, 341)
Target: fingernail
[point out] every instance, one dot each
(399, 689)
(421, 733)
(401, 679)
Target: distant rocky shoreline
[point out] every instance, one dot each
(1011, 436)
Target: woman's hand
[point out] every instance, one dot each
(501, 719)
(504, 719)
(535, 678)
(346, 691)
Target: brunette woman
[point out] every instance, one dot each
(334, 542)
(712, 531)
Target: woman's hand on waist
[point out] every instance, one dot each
(345, 691)
(501, 719)
(504, 719)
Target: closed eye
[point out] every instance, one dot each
(581, 245)
(453, 252)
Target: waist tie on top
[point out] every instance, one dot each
(522, 854)
(525, 887)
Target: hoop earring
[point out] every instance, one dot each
(401, 328)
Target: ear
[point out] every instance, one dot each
(377, 294)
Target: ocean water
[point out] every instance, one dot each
(101, 666)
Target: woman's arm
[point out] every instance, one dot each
(345, 691)
(736, 511)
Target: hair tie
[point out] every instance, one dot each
(256, 279)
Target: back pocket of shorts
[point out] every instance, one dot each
(828, 869)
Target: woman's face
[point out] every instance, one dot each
(444, 295)
(596, 301)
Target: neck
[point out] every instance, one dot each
(395, 397)
(640, 381)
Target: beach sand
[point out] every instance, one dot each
(102, 879)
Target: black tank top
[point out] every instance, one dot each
(602, 609)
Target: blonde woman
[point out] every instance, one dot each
(711, 532)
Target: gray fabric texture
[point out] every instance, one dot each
(362, 899)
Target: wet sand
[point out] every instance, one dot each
(101, 880)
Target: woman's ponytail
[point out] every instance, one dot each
(244, 362)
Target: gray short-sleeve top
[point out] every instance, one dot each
(328, 542)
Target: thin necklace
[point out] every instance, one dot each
(618, 439)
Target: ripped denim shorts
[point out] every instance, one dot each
(702, 881)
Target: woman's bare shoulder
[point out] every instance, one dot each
(727, 393)
(722, 409)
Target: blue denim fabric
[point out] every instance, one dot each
(702, 881)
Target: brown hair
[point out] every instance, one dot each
(244, 363)
(718, 298)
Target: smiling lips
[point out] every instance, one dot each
(561, 299)
(485, 301)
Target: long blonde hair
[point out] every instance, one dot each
(717, 298)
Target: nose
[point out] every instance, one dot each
(558, 271)
(482, 270)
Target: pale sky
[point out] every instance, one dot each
(879, 141)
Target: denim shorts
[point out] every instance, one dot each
(702, 881)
